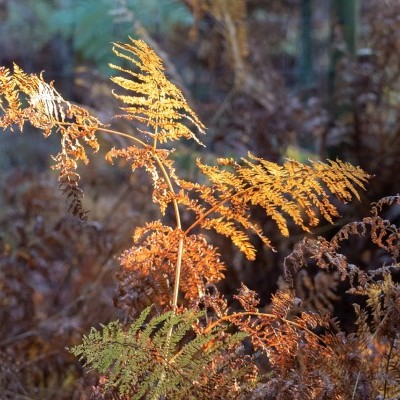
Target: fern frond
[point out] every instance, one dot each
(380, 231)
(10, 103)
(147, 362)
(46, 109)
(154, 257)
(280, 335)
(290, 191)
(152, 99)
(28, 98)
(368, 359)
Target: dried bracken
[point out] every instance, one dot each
(290, 191)
(153, 99)
(28, 98)
(181, 338)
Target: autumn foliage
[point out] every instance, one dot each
(179, 334)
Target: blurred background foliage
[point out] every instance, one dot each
(83, 29)
(281, 78)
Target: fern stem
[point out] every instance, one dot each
(174, 203)
(176, 210)
(171, 188)
(125, 135)
(178, 267)
(106, 130)
(353, 396)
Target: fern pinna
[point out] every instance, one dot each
(190, 343)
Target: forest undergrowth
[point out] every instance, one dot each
(178, 336)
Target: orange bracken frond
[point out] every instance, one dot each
(10, 104)
(290, 191)
(152, 99)
(279, 333)
(28, 98)
(155, 254)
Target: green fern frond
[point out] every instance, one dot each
(146, 361)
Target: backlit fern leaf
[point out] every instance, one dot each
(146, 362)
(290, 191)
(28, 98)
(152, 99)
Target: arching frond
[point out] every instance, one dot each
(292, 191)
(153, 100)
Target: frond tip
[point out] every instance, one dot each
(153, 100)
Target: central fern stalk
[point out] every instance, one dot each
(178, 267)
(176, 210)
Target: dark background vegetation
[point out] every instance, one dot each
(313, 79)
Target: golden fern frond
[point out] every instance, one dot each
(152, 99)
(292, 190)
(340, 178)
(28, 98)
(10, 103)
